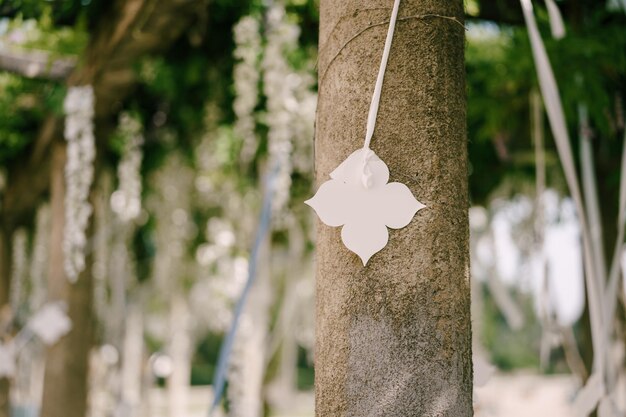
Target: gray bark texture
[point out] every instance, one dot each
(394, 337)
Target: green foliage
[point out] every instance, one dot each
(510, 349)
(23, 105)
(590, 68)
(43, 34)
(60, 12)
(204, 360)
(306, 375)
(497, 108)
(493, 78)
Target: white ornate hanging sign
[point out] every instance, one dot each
(358, 196)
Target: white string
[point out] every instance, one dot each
(371, 117)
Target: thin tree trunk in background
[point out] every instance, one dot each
(66, 376)
(246, 374)
(394, 338)
(132, 359)
(180, 350)
(5, 283)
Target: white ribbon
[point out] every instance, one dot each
(371, 117)
(615, 5)
(595, 287)
(557, 27)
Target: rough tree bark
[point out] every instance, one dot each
(394, 337)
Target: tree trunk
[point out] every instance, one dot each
(394, 337)
(66, 376)
(133, 359)
(246, 375)
(5, 283)
(180, 350)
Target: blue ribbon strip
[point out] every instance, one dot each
(219, 380)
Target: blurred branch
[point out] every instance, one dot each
(36, 64)
(509, 12)
(572, 354)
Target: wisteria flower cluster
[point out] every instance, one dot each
(278, 77)
(246, 76)
(126, 200)
(170, 203)
(79, 173)
(225, 275)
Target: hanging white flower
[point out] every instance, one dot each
(222, 287)
(246, 76)
(79, 173)
(170, 204)
(279, 88)
(126, 200)
(303, 123)
(223, 276)
(50, 323)
(247, 366)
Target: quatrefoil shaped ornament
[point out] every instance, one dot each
(359, 198)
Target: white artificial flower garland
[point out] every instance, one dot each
(170, 203)
(303, 122)
(282, 37)
(246, 75)
(126, 200)
(79, 173)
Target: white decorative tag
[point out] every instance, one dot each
(359, 198)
